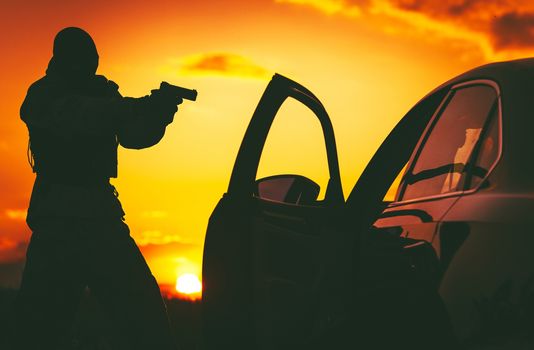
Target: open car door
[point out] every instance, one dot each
(276, 264)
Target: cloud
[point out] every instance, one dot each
(222, 64)
(434, 22)
(16, 214)
(464, 6)
(446, 8)
(500, 24)
(513, 30)
(332, 7)
(156, 237)
(7, 244)
(14, 238)
(496, 28)
(172, 249)
(12, 250)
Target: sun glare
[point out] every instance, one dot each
(189, 284)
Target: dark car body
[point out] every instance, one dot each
(449, 261)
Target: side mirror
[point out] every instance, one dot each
(290, 189)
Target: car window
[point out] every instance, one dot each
(295, 145)
(441, 163)
(488, 152)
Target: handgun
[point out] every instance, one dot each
(178, 91)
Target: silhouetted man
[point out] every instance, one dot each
(76, 120)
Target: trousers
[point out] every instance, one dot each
(67, 255)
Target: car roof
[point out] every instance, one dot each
(500, 72)
(514, 171)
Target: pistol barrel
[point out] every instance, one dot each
(179, 91)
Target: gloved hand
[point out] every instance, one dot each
(165, 105)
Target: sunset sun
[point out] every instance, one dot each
(189, 284)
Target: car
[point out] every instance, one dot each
(449, 263)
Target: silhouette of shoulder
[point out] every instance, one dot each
(94, 107)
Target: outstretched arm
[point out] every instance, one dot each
(144, 125)
(137, 122)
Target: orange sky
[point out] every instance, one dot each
(368, 61)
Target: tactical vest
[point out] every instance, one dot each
(73, 157)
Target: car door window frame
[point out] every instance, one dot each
(422, 141)
(246, 165)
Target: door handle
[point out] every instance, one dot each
(421, 214)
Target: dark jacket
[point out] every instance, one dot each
(75, 127)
